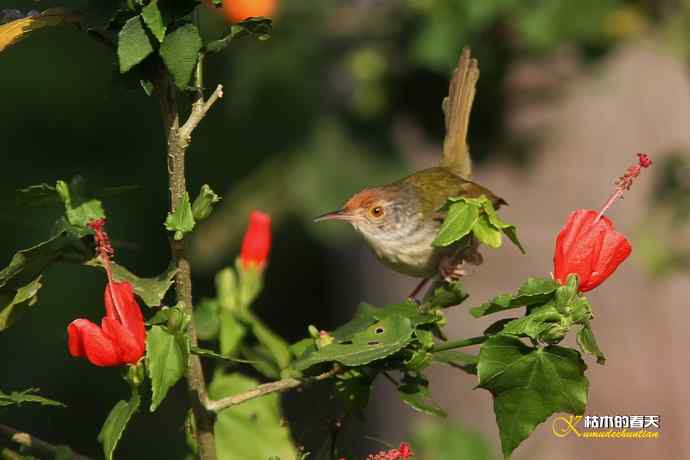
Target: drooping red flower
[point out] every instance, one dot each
(121, 337)
(589, 248)
(587, 245)
(257, 240)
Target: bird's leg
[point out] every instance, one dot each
(420, 286)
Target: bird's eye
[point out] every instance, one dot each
(376, 211)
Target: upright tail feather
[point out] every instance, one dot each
(457, 107)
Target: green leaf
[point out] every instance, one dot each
(44, 195)
(458, 223)
(226, 289)
(485, 232)
(150, 290)
(203, 352)
(206, 319)
(440, 439)
(80, 207)
(261, 360)
(499, 303)
(353, 388)
(377, 341)
(14, 303)
(204, 203)
(166, 357)
(530, 384)
(259, 27)
(231, 332)
(536, 291)
(133, 44)
(445, 295)
(414, 391)
(544, 323)
(181, 221)
(153, 20)
(509, 229)
(180, 51)
(115, 424)
(420, 359)
(588, 343)
(277, 346)
(26, 396)
(253, 430)
(367, 315)
(463, 361)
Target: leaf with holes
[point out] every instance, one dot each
(381, 339)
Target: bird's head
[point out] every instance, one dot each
(377, 212)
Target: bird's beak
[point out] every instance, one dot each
(335, 215)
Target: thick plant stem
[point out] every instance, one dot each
(35, 445)
(178, 138)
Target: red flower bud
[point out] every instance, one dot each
(257, 240)
(589, 248)
(121, 338)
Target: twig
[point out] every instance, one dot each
(458, 343)
(178, 141)
(36, 445)
(267, 388)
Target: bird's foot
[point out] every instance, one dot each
(450, 270)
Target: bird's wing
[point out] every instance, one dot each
(457, 107)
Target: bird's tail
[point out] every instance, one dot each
(457, 107)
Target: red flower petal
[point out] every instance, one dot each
(589, 248)
(130, 350)
(87, 339)
(257, 240)
(122, 306)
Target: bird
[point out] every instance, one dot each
(399, 221)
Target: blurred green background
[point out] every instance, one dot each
(336, 100)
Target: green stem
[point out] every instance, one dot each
(451, 344)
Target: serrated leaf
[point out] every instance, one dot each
(458, 223)
(133, 44)
(486, 233)
(414, 391)
(150, 290)
(204, 203)
(181, 221)
(13, 31)
(544, 323)
(381, 339)
(253, 430)
(153, 20)
(115, 424)
(180, 51)
(530, 384)
(80, 207)
(166, 358)
(14, 303)
(588, 343)
(259, 27)
(26, 396)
